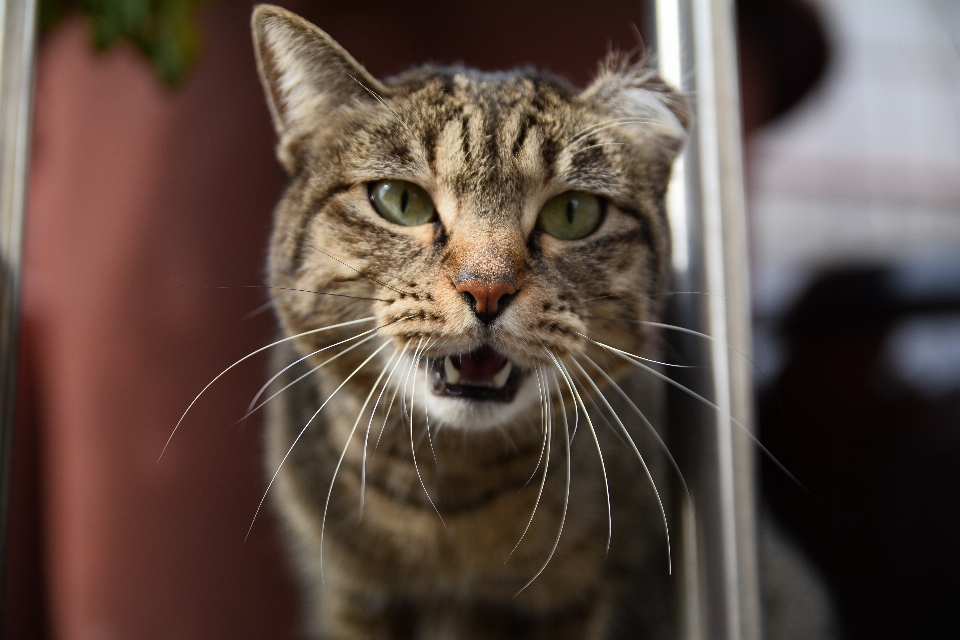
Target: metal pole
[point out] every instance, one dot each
(17, 44)
(696, 50)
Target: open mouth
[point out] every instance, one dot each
(483, 374)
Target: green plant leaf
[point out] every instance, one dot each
(165, 31)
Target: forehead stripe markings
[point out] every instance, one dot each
(491, 133)
(527, 122)
(429, 142)
(465, 136)
(548, 154)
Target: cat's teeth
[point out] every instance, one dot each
(453, 374)
(501, 376)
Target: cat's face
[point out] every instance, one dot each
(479, 220)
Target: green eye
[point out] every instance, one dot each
(570, 216)
(402, 202)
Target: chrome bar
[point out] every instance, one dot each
(719, 599)
(17, 46)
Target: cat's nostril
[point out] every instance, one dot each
(489, 298)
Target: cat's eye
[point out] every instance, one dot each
(571, 215)
(402, 202)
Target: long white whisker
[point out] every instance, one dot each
(547, 438)
(586, 130)
(304, 375)
(299, 360)
(426, 414)
(579, 399)
(611, 299)
(246, 357)
(599, 411)
(663, 364)
(442, 342)
(674, 327)
(398, 353)
(646, 469)
(297, 439)
(386, 415)
(543, 422)
(576, 417)
(414, 360)
(700, 398)
(605, 124)
(566, 499)
(413, 452)
(266, 305)
(628, 121)
(607, 297)
(343, 454)
(645, 421)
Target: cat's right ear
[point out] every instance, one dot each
(306, 75)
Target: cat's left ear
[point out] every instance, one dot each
(633, 91)
(306, 75)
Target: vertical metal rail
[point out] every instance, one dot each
(719, 598)
(17, 45)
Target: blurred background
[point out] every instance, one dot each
(855, 221)
(152, 186)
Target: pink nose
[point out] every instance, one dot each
(486, 294)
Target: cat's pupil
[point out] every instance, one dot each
(570, 206)
(404, 200)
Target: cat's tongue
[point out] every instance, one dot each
(480, 366)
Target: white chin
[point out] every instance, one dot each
(466, 413)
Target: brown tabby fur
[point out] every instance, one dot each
(416, 537)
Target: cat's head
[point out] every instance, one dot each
(493, 225)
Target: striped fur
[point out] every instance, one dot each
(432, 554)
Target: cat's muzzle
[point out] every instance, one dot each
(482, 374)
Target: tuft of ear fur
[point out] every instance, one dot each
(306, 76)
(634, 91)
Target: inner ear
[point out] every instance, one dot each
(306, 75)
(634, 90)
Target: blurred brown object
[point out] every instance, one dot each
(138, 193)
(783, 54)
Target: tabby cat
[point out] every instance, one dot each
(461, 263)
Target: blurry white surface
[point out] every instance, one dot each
(867, 169)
